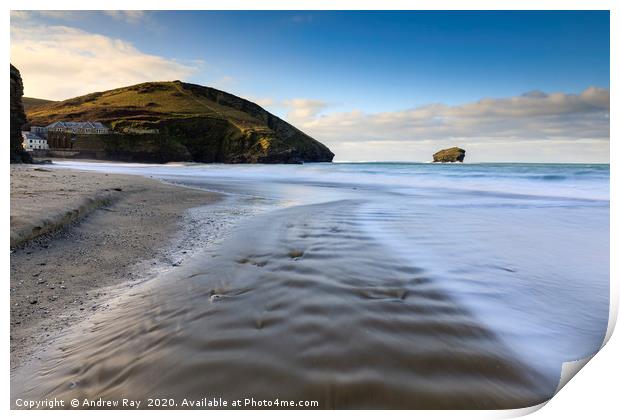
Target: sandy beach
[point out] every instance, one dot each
(313, 283)
(76, 236)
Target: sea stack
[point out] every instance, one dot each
(453, 154)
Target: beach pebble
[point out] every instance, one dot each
(33, 301)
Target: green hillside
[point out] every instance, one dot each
(163, 121)
(31, 103)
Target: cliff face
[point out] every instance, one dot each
(166, 121)
(18, 118)
(453, 154)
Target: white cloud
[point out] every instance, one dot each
(539, 125)
(20, 14)
(58, 14)
(535, 126)
(129, 16)
(556, 115)
(60, 62)
(301, 109)
(49, 14)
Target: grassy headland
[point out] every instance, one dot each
(167, 121)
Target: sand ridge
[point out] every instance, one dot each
(78, 234)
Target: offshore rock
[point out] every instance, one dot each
(453, 154)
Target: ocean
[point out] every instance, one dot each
(369, 285)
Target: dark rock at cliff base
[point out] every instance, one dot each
(18, 118)
(453, 154)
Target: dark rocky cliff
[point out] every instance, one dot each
(18, 118)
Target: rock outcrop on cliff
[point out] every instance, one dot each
(172, 121)
(18, 118)
(453, 154)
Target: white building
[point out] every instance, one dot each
(31, 141)
(39, 131)
(81, 127)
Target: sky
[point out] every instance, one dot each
(529, 86)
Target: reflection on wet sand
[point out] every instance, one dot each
(299, 303)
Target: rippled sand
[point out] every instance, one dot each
(299, 303)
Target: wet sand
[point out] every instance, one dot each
(79, 238)
(297, 304)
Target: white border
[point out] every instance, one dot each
(592, 394)
(313, 5)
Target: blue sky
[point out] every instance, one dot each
(310, 67)
(385, 61)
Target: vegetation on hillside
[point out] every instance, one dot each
(31, 103)
(187, 120)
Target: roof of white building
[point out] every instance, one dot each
(94, 125)
(28, 135)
